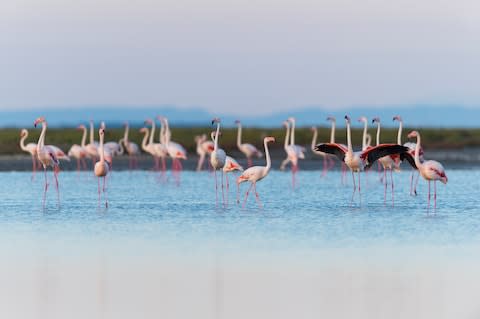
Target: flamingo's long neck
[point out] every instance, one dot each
(332, 133)
(144, 141)
(100, 149)
(125, 135)
(168, 134)
(41, 139)
(267, 156)
(215, 146)
(349, 138)
(364, 136)
(378, 133)
(239, 135)
(292, 134)
(150, 141)
(417, 152)
(84, 136)
(314, 139)
(399, 136)
(162, 133)
(91, 132)
(22, 142)
(287, 126)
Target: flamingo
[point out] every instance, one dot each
(387, 162)
(145, 145)
(176, 151)
(248, 149)
(204, 148)
(292, 154)
(111, 149)
(92, 147)
(357, 161)
(326, 157)
(217, 159)
(46, 156)
(132, 148)
(411, 146)
(78, 151)
(255, 174)
(333, 122)
(430, 170)
(30, 148)
(157, 150)
(101, 167)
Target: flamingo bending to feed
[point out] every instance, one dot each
(78, 151)
(411, 146)
(255, 174)
(101, 167)
(217, 159)
(46, 156)
(30, 148)
(430, 170)
(132, 148)
(327, 160)
(248, 149)
(357, 161)
(387, 162)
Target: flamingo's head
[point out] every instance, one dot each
(237, 122)
(313, 129)
(125, 124)
(215, 120)
(161, 118)
(81, 127)
(23, 133)
(444, 179)
(148, 121)
(347, 119)
(143, 130)
(376, 120)
(291, 119)
(397, 118)
(286, 124)
(331, 118)
(41, 119)
(269, 139)
(412, 134)
(101, 131)
(363, 119)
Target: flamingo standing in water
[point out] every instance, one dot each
(387, 162)
(30, 148)
(145, 144)
(293, 153)
(78, 151)
(255, 174)
(217, 159)
(101, 167)
(411, 146)
(132, 148)
(430, 170)
(248, 149)
(176, 151)
(46, 156)
(356, 161)
(156, 149)
(204, 148)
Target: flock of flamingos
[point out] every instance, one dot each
(389, 156)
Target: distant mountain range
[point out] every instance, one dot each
(413, 116)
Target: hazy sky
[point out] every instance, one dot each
(239, 56)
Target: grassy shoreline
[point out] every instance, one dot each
(432, 139)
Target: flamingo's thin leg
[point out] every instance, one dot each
(428, 194)
(435, 195)
(105, 191)
(256, 195)
(223, 192)
(46, 186)
(344, 173)
(411, 182)
(354, 187)
(324, 170)
(416, 183)
(98, 188)
(393, 188)
(385, 186)
(34, 167)
(226, 179)
(246, 195)
(359, 188)
(55, 174)
(216, 188)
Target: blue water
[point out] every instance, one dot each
(146, 215)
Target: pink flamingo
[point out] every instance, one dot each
(255, 174)
(46, 156)
(217, 159)
(30, 148)
(78, 151)
(145, 144)
(204, 148)
(430, 170)
(248, 149)
(387, 163)
(101, 167)
(157, 150)
(131, 148)
(357, 161)
(176, 151)
(411, 146)
(293, 153)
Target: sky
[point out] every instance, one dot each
(239, 57)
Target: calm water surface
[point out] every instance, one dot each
(147, 216)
